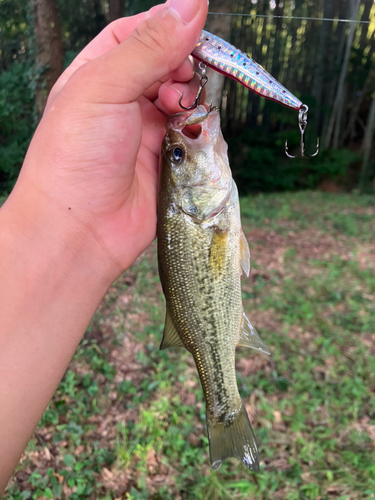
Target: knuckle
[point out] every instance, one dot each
(153, 35)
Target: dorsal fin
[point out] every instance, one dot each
(170, 336)
(245, 254)
(249, 336)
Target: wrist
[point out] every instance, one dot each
(53, 277)
(53, 240)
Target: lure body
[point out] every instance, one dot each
(230, 61)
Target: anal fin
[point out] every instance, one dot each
(249, 336)
(170, 336)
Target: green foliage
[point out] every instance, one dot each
(257, 154)
(16, 88)
(15, 32)
(128, 420)
(259, 163)
(342, 214)
(16, 121)
(307, 59)
(135, 7)
(80, 21)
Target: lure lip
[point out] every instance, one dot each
(213, 51)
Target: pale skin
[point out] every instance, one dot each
(84, 206)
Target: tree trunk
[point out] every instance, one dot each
(100, 16)
(49, 49)
(104, 7)
(339, 117)
(369, 83)
(277, 41)
(339, 94)
(367, 145)
(335, 50)
(219, 26)
(320, 60)
(253, 34)
(116, 9)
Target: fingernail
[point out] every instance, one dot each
(186, 9)
(176, 87)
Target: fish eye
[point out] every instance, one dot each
(176, 154)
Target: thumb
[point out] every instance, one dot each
(156, 47)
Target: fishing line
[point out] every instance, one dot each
(290, 17)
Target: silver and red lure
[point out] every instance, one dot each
(230, 61)
(225, 58)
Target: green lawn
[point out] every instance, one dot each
(128, 421)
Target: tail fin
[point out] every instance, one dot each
(234, 439)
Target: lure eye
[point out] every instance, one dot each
(176, 154)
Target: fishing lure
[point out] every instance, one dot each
(230, 61)
(225, 58)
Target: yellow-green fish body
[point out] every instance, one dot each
(201, 250)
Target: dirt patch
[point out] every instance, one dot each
(366, 256)
(268, 248)
(251, 365)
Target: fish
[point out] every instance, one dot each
(225, 58)
(202, 252)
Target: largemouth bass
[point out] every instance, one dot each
(202, 252)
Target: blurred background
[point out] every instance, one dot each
(329, 65)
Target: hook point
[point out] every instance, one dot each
(287, 150)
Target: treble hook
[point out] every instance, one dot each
(302, 122)
(202, 83)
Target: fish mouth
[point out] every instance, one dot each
(196, 127)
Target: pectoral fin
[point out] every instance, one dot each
(170, 336)
(245, 254)
(218, 252)
(249, 336)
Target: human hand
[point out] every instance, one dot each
(92, 166)
(84, 206)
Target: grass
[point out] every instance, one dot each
(128, 420)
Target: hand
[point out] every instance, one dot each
(92, 165)
(84, 206)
